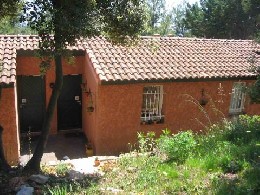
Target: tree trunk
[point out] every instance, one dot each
(34, 163)
(4, 166)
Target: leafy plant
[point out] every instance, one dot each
(178, 147)
(231, 165)
(60, 169)
(63, 168)
(146, 142)
(59, 190)
(245, 129)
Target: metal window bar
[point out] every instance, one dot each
(152, 103)
(237, 98)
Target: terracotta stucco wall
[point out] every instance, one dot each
(89, 119)
(8, 121)
(30, 66)
(120, 110)
(8, 114)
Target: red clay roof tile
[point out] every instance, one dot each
(152, 59)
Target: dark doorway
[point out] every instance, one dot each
(69, 104)
(31, 103)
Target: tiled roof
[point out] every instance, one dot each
(155, 58)
(9, 45)
(172, 58)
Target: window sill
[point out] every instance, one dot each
(152, 122)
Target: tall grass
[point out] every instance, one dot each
(224, 160)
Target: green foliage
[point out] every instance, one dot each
(63, 187)
(146, 142)
(247, 183)
(9, 18)
(59, 190)
(177, 147)
(120, 21)
(9, 7)
(156, 13)
(231, 166)
(224, 160)
(178, 15)
(62, 169)
(244, 130)
(194, 20)
(235, 19)
(148, 175)
(254, 90)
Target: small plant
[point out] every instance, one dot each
(63, 168)
(178, 147)
(146, 142)
(96, 162)
(29, 135)
(59, 170)
(59, 190)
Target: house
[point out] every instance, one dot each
(112, 92)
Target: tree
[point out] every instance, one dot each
(11, 25)
(155, 10)
(166, 25)
(223, 19)
(194, 20)
(9, 7)
(119, 20)
(178, 19)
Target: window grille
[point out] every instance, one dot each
(237, 98)
(152, 104)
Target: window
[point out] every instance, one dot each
(152, 104)
(237, 98)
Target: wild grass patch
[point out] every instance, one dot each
(224, 160)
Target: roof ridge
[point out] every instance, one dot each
(195, 38)
(147, 37)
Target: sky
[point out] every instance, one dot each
(173, 3)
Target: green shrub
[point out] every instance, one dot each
(245, 129)
(63, 168)
(177, 147)
(229, 165)
(250, 152)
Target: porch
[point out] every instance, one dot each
(71, 145)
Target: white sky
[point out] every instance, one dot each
(173, 3)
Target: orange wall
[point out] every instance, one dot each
(120, 110)
(90, 118)
(30, 66)
(8, 121)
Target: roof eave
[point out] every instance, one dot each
(124, 82)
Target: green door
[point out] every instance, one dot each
(31, 103)
(69, 104)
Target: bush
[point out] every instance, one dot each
(177, 147)
(229, 165)
(245, 129)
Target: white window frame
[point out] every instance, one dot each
(238, 97)
(152, 103)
